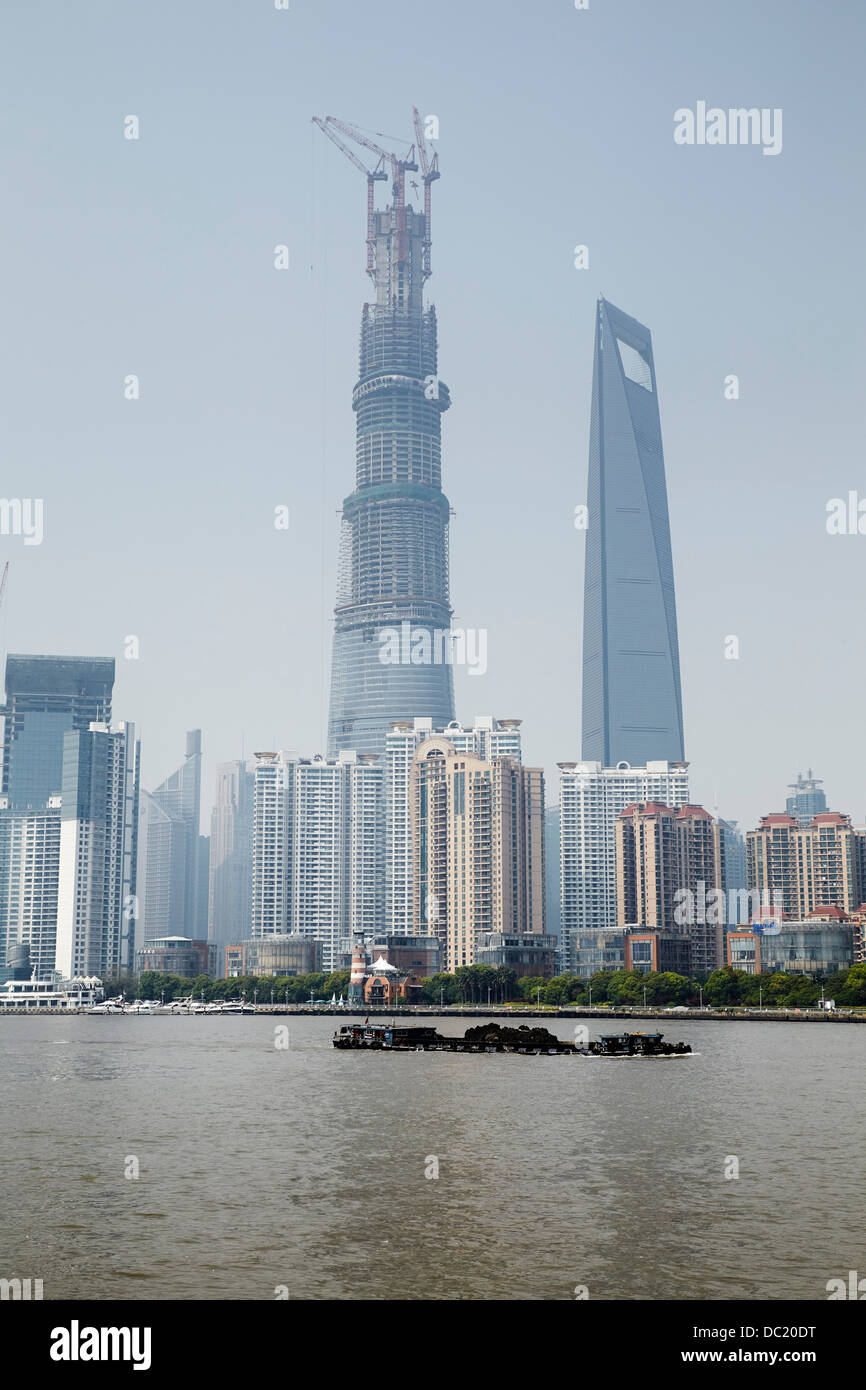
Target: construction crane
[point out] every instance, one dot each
(400, 166)
(429, 172)
(371, 175)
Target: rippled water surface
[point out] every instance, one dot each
(305, 1167)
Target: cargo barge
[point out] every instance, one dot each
(393, 1037)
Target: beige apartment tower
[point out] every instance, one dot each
(660, 852)
(805, 868)
(477, 847)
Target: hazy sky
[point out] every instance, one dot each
(155, 257)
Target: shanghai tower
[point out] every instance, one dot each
(632, 701)
(391, 654)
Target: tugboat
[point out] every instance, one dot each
(492, 1037)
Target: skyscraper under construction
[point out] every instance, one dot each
(391, 654)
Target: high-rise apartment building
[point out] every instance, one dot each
(170, 854)
(801, 869)
(478, 848)
(770, 861)
(487, 738)
(647, 866)
(702, 869)
(273, 863)
(318, 869)
(96, 904)
(553, 876)
(632, 700)
(29, 876)
(591, 797)
(231, 854)
(394, 544)
(668, 863)
(829, 855)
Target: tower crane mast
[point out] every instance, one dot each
(429, 172)
(399, 165)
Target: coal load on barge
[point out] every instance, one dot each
(493, 1037)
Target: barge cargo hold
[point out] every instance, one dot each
(493, 1038)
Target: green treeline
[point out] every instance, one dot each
(285, 989)
(480, 984)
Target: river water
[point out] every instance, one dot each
(304, 1169)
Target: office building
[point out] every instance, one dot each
(632, 701)
(171, 860)
(163, 843)
(806, 800)
(736, 877)
(47, 696)
(231, 854)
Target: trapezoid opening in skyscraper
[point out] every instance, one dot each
(391, 652)
(632, 698)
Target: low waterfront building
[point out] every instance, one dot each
(528, 953)
(399, 976)
(234, 961)
(657, 951)
(178, 955)
(382, 984)
(420, 956)
(592, 951)
(821, 944)
(281, 954)
(744, 951)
